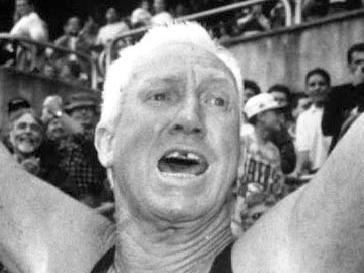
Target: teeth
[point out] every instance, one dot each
(178, 175)
(193, 156)
(175, 155)
(187, 155)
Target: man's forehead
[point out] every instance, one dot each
(172, 61)
(25, 117)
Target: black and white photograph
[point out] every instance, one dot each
(181, 136)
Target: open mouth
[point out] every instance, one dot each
(179, 163)
(26, 140)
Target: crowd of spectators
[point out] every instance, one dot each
(286, 137)
(94, 38)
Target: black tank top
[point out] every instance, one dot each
(222, 263)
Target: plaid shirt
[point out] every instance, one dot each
(81, 163)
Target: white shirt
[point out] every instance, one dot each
(309, 136)
(162, 18)
(109, 32)
(32, 27)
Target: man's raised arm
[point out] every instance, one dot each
(320, 228)
(42, 229)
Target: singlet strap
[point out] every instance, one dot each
(222, 263)
(106, 262)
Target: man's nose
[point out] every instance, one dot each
(28, 129)
(189, 120)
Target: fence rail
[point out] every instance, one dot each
(110, 54)
(48, 50)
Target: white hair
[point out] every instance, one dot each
(120, 71)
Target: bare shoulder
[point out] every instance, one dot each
(265, 247)
(318, 228)
(40, 224)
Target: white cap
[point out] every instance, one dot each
(140, 16)
(260, 103)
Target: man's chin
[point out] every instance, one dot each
(181, 214)
(27, 149)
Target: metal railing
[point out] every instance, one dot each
(40, 57)
(110, 51)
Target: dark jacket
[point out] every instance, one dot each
(341, 100)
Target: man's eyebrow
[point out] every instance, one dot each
(218, 80)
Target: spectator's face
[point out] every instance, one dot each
(159, 6)
(317, 88)
(145, 5)
(257, 10)
(55, 130)
(85, 115)
(73, 26)
(174, 151)
(280, 97)
(26, 135)
(248, 93)
(180, 10)
(23, 7)
(357, 64)
(270, 120)
(111, 16)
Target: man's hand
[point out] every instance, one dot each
(51, 105)
(31, 165)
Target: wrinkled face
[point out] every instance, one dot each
(357, 63)
(317, 88)
(55, 130)
(175, 147)
(280, 97)
(270, 120)
(26, 135)
(23, 7)
(111, 15)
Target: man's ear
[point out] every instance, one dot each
(104, 145)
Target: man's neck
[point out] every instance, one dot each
(140, 249)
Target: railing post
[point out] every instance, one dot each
(35, 45)
(288, 12)
(204, 14)
(298, 12)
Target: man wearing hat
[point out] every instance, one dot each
(260, 171)
(78, 117)
(82, 108)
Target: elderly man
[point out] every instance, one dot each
(169, 137)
